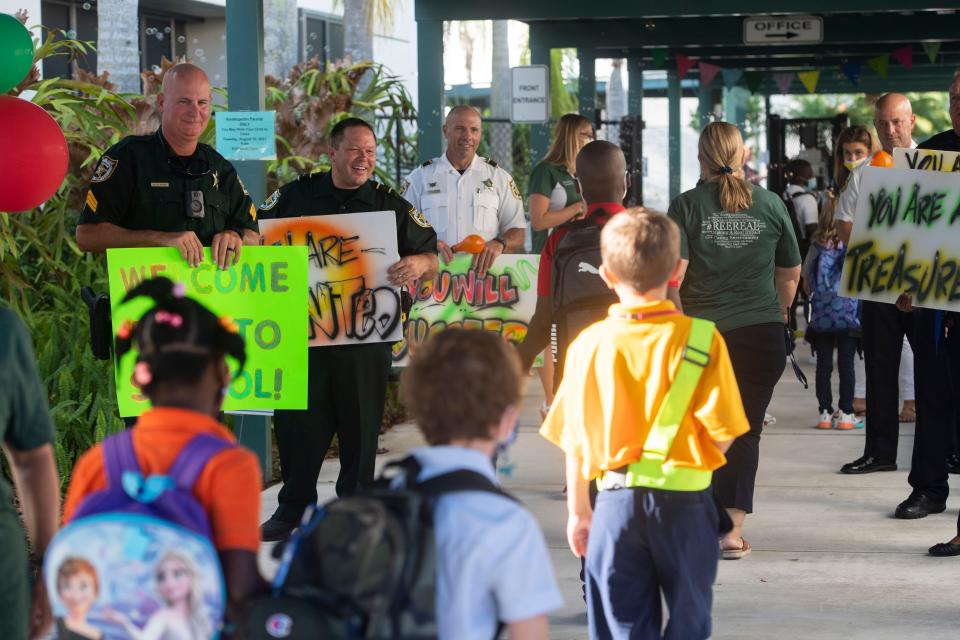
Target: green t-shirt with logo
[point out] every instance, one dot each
(732, 256)
(554, 182)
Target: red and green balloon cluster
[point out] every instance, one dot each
(33, 160)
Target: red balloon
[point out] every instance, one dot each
(33, 160)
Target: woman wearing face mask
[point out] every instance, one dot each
(740, 266)
(856, 145)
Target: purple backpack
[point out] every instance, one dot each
(133, 539)
(830, 312)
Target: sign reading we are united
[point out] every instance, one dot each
(905, 239)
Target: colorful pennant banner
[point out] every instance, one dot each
(904, 55)
(852, 71)
(731, 77)
(684, 64)
(880, 64)
(932, 49)
(707, 73)
(810, 79)
(783, 80)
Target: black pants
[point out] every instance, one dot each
(883, 330)
(937, 381)
(759, 355)
(846, 348)
(346, 392)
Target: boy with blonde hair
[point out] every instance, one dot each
(647, 407)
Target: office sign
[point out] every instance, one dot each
(763, 30)
(530, 94)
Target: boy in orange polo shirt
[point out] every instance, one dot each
(181, 368)
(647, 407)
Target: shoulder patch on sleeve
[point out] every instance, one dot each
(270, 202)
(418, 218)
(493, 163)
(105, 169)
(515, 190)
(427, 163)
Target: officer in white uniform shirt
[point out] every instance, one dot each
(461, 194)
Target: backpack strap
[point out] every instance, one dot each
(460, 480)
(193, 458)
(119, 456)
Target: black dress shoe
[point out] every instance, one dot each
(868, 464)
(918, 506)
(275, 529)
(953, 463)
(944, 549)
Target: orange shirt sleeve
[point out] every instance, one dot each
(230, 492)
(88, 476)
(716, 405)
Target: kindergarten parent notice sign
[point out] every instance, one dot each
(262, 295)
(906, 239)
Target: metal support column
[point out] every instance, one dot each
(673, 138)
(430, 87)
(705, 106)
(635, 90)
(246, 93)
(588, 84)
(539, 133)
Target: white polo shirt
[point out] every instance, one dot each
(492, 560)
(847, 202)
(483, 201)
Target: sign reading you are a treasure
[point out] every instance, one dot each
(906, 237)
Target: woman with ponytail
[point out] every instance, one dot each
(740, 269)
(181, 351)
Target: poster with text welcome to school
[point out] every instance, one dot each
(906, 238)
(501, 301)
(262, 294)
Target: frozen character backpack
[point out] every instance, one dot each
(137, 559)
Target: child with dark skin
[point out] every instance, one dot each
(182, 369)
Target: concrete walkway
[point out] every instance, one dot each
(829, 559)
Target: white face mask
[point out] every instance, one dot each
(853, 164)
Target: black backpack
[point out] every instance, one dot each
(580, 296)
(803, 243)
(363, 566)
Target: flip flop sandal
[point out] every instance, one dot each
(737, 554)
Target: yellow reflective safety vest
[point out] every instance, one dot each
(652, 470)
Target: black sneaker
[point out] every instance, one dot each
(275, 529)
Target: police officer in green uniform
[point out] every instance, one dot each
(166, 189)
(347, 385)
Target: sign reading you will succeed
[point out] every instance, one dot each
(906, 239)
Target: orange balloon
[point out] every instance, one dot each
(471, 244)
(882, 159)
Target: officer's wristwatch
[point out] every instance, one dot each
(501, 241)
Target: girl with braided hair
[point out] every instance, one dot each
(181, 366)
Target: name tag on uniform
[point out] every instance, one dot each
(159, 184)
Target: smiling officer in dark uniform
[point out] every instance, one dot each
(347, 384)
(168, 190)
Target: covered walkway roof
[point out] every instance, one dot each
(647, 33)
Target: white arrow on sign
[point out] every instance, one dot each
(766, 30)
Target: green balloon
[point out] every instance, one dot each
(16, 52)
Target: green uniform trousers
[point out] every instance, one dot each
(346, 392)
(14, 579)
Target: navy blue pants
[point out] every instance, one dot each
(846, 349)
(643, 541)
